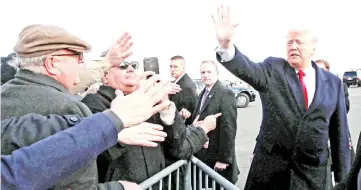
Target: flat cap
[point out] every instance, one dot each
(38, 40)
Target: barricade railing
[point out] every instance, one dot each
(190, 179)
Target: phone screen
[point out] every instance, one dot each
(151, 64)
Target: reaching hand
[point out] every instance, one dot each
(165, 100)
(210, 122)
(197, 123)
(185, 113)
(173, 88)
(141, 104)
(130, 185)
(223, 26)
(144, 75)
(144, 134)
(119, 51)
(220, 166)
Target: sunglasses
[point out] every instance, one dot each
(124, 65)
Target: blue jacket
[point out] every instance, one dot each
(42, 164)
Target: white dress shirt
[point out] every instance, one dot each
(226, 54)
(309, 79)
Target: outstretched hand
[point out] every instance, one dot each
(223, 26)
(144, 134)
(119, 51)
(208, 124)
(142, 103)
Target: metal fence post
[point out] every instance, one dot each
(187, 176)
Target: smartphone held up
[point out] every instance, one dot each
(151, 64)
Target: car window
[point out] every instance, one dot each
(199, 85)
(350, 74)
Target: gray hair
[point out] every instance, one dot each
(23, 62)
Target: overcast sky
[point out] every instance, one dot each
(166, 28)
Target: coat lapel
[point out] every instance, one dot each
(197, 112)
(295, 86)
(209, 97)
(321, 88)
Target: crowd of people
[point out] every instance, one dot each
(58, 134)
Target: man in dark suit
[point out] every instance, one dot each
(216, 98)
(186, 99)
(303, 107)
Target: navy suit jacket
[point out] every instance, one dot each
(304, 134)
(42, 164)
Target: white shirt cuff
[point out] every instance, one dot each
(226, 54)
(167, 116)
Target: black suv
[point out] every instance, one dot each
(244, 96)
(352, 78)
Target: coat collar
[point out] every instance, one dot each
(296, 89)
(180, 78)
(107, 92)
(210, 95)
(321, 88)
(40, 79)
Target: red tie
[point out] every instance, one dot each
(301, 74)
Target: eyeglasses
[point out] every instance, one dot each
(124, 65)
(79, 55)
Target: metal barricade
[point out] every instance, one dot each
(189, 177)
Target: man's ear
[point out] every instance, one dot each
(50, 67)
(104, 79)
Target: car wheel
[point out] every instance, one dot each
(242, 100)
(359, 84)
(348, 85)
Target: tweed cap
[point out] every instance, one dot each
(38, 40)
